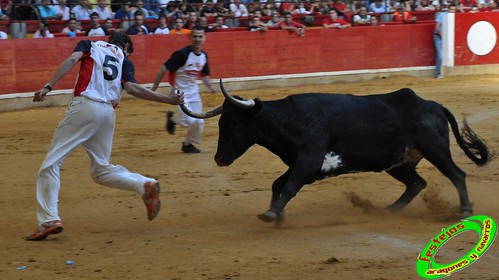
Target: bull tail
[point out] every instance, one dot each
(473, 145)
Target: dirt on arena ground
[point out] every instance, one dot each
(208, 228)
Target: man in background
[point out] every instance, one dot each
(184, 67)
(96, 29)
(437, 39)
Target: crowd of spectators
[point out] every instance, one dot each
(178, 17)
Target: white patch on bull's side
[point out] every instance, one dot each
(332, 161)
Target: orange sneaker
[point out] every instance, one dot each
(44, 230)
(151, 199)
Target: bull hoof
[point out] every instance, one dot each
(268, 216)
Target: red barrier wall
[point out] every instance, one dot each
(26, 64)
(462, 53)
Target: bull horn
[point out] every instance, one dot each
(245, 104)
(209, 114)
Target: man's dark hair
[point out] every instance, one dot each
(138, 13)
(198, 27)
(120, 39)
(94, 14)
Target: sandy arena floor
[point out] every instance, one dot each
(208, 227)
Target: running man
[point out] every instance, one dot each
(185, 66)
(89, 121)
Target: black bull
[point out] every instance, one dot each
(323, 135)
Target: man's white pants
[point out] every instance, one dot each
(89, 124)
(194, 126)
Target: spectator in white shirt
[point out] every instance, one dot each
(301, 9)
(219, 22)
(62, 10)
(486, 4)
(162, 26)
(43, 30)
(82, 11)
(103, 10)
(438, 6)
(378, 6)
(238, 9)
(96, 29)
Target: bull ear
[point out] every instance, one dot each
(244, 104)
(209, 114)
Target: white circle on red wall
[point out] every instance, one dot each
(482, 38)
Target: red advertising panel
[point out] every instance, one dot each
(476, 38)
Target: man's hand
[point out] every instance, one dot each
(39, 96)
(176, 96)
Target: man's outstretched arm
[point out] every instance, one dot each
(147, 94)
(61, 71)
